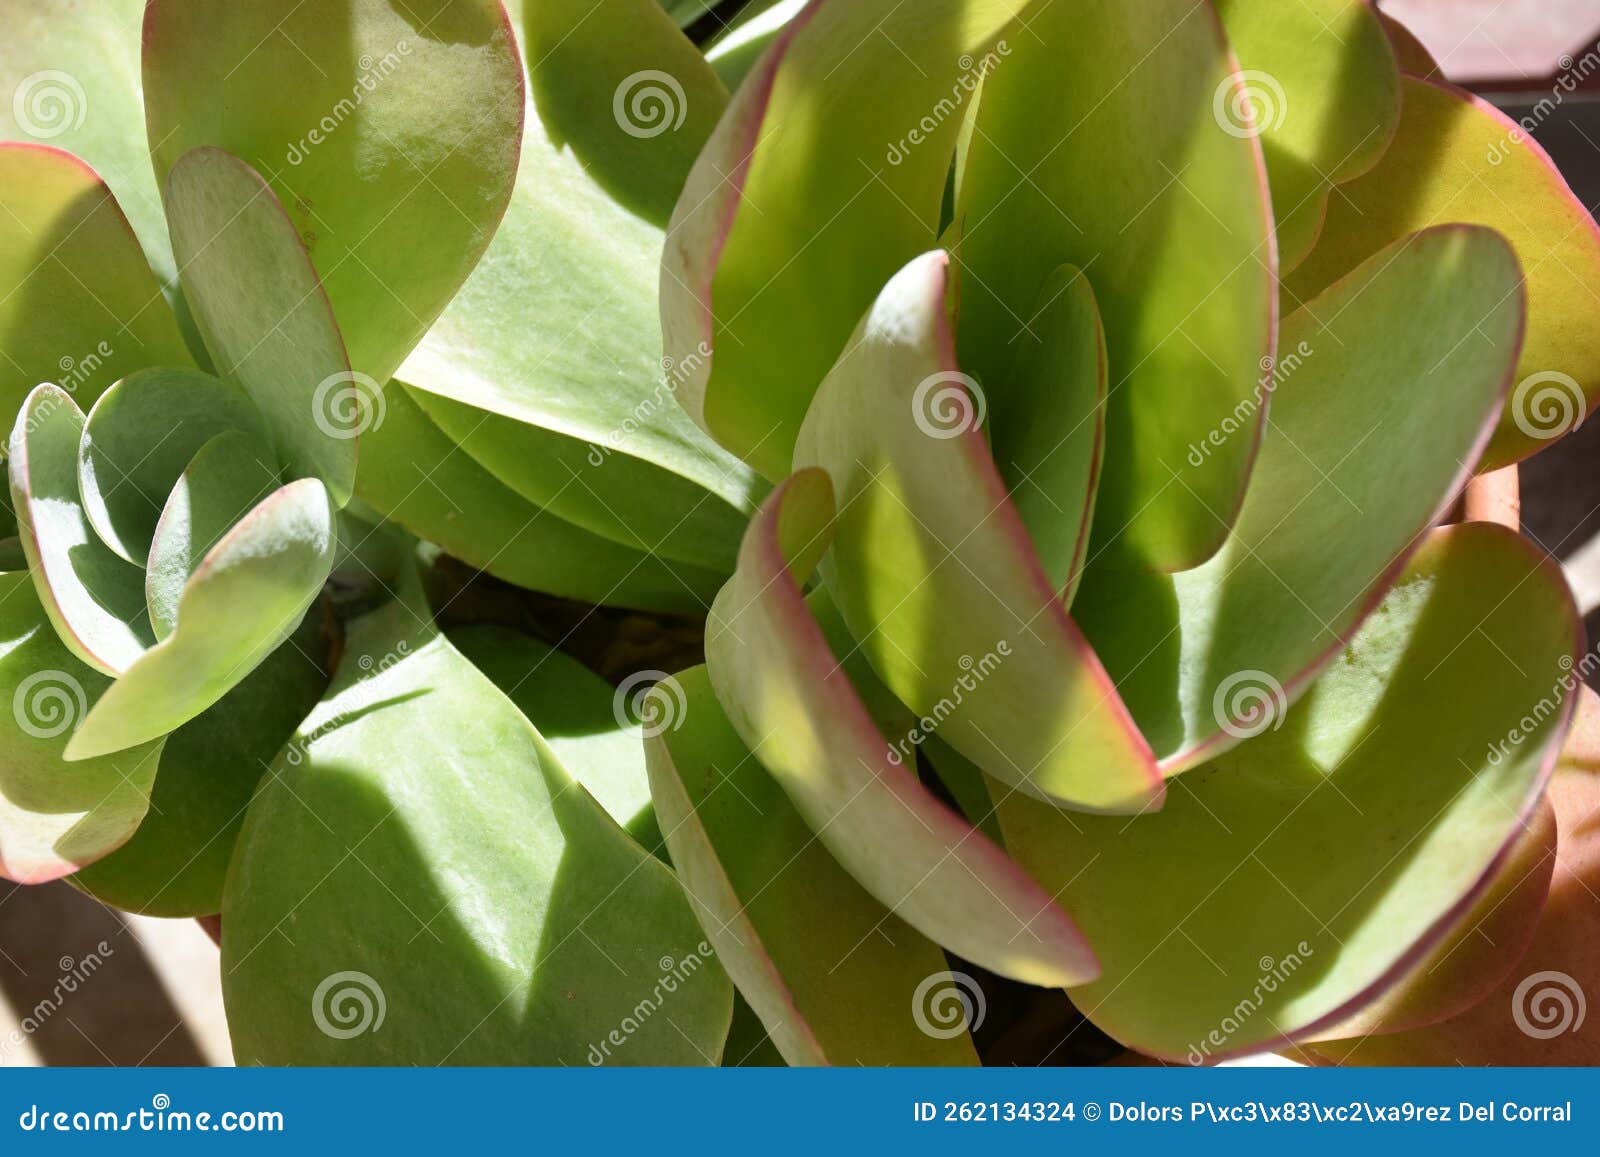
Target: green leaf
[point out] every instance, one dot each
(934, 572)
(390, 131)
(795, 708)
(791, 926)
(94, 598)
(71, 77)
(176, 862)
(733, 52)
(428, 831)
(578, 716)
(55, 818)
(808, 197)
(263, 314)
(561, 393)
(140, 436)
(247, 596)
(1097, 143)
(1388, 389)
(426, 483)
(1324, 96)
(1291, 882)
(1457, 159)
(1047, 425)
(78, 303)
(230, 476)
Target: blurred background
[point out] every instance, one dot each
(150, 993)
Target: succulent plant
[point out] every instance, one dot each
(1118, 447)
(1050, 408)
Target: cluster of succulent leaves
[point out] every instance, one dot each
(319, 292)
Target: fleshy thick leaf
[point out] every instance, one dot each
(247, 596)
(390, 132)
(1456, 159)
(428, 830)
(140, 436)
(263, 314)
(795, 214)
(1324, 92)
(1290, 882)
(793, 705)
(791, 926)
(176, 862)
(56, 818)
(1173, 229)
(934, 572)
(94, 598)
(230, 476)
(78, 303)
(1389, 386)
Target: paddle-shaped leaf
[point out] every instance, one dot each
(795, 708)
(791, 927)
(247, 596)
(177, 860)
(54, 819)
(263, 314)
(934, 572)
(1389, 387)
(93, 597)
(1457, 159)
(419, 828)
(1290, 882)
(1173, 230)
(140, 436)
(819, 183)
(78, 303)
(231, 475)
(390, 132)
(1324, 96)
